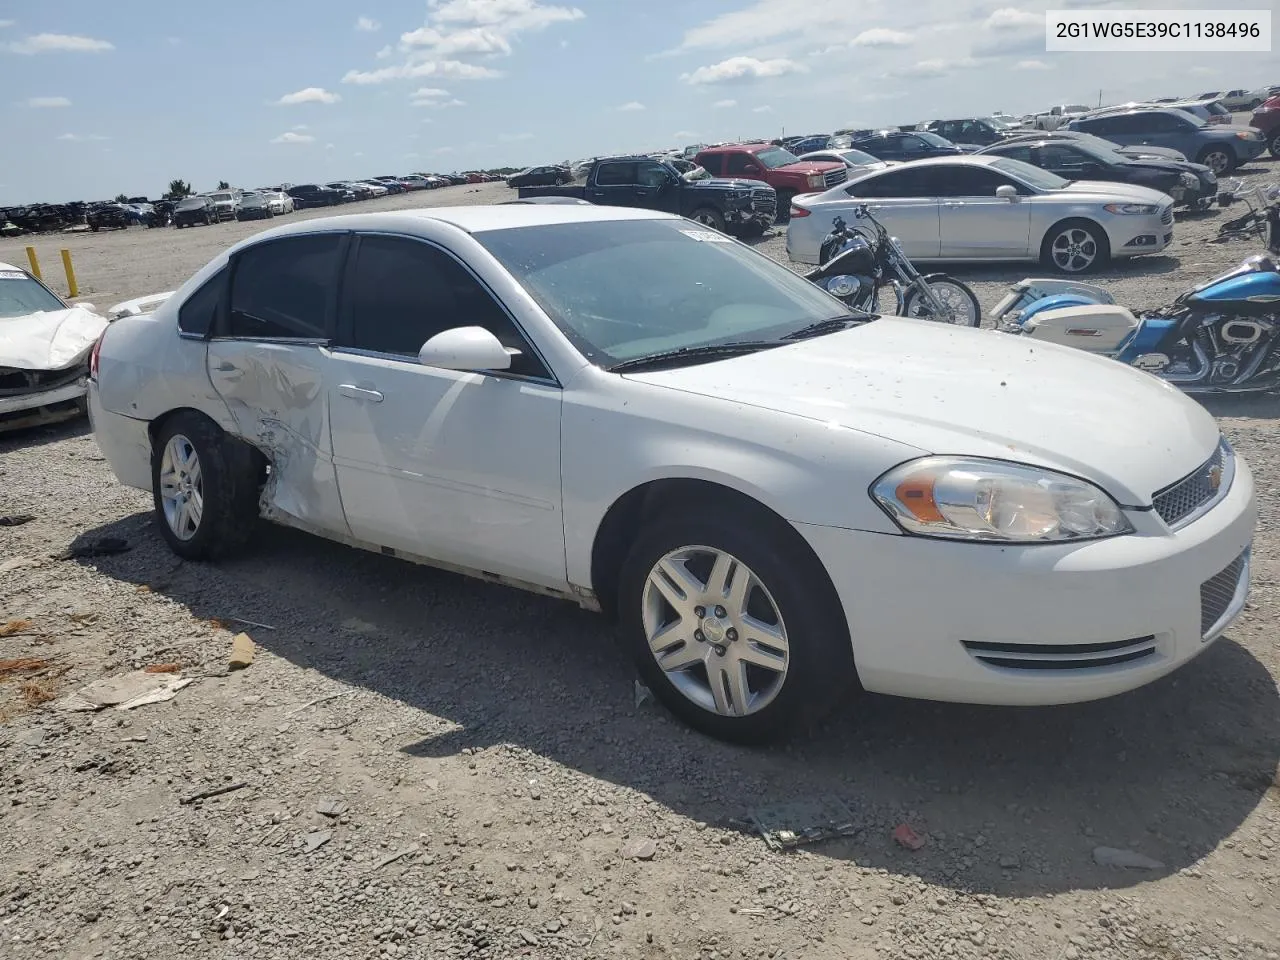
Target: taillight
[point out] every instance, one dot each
(798, 212)
(93, 356)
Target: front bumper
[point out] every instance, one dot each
(44, 406)
(1027, 625)
(1248, 150)
(1132, 236)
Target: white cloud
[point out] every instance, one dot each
(7, 23)
(328, 146)
(308, 95)
(764, 109)
(1011, 18)
(40, 103)
(59, 42)
(385, 52)
(367, 25)
(435, 98)
(935, 68)
(291, 137)
(881, 37)
(448, 69)
(514, 137)
(299, 126)
(742, 68)
(724, 104)
(447, 44)
(1032, 65)
(81, 137)
(429, 93)
(631, 107)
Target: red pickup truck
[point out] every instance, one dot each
(779, 168)
(1266, 117)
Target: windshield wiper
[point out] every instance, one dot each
(830, 325)
(705, 352)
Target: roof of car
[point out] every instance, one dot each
(726, 147)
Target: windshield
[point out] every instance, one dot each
(1189, 117)
(931, 138)
(775, 157)
(20, 296)
(1034, 176)
(1000, 123)
(191, 203)
(625, 289)
(221, 196)
(1075, 108)
(857, 157)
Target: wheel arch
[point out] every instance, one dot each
(1082, 219)
(259, 458)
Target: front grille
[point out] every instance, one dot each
(1061, 656)
(15, 382)
(764, 201)
(1218, 591)
(1179, 503)
(832, 177)
(1166, 216)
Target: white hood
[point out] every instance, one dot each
(53, 340)
(952, 390)
(1121, 191)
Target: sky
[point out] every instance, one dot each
(106, 98)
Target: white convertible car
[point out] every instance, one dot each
(627, 410)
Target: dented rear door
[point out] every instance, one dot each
(268, 360)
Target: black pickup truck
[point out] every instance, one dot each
(735, 206)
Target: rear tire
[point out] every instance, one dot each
(794, 668)
(1083, 236)
(193, 462)
(1274, 145)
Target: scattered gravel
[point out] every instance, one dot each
(439, 767)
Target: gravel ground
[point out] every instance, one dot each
(430, 766)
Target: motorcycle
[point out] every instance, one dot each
(1222, 336)
(859, 262)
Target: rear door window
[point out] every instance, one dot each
(196, 316)
(285, 289)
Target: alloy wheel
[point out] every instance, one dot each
(1074, 250)
(1217, 161)
(181, 487)
(715, 631)
(957, 308)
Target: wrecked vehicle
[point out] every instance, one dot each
(111, 216)
(619, 407)
(44, 350)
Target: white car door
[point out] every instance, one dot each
(974, 223)
(267, 359)
(901, 199)
(458, 467)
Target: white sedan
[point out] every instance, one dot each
(992, 208)
(626, 410)
(279, 201)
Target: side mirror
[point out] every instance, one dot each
(465, 348)
(750, 168)
(1007, 192)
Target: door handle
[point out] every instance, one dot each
(954, 203)
(359, 393)
(225, 367)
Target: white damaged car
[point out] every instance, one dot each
(44, 349)
(621, 408)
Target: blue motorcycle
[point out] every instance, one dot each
(1221, 337)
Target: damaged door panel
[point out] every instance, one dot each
(268, 362)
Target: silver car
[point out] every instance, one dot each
(990, 208)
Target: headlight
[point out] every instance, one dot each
(1247, 135)
(816, 182)
(1189, 180)
(974, 499)
(1131, 208)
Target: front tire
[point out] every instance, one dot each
(963, 309)
(733, 622)
(1274, 145)
(204, 487)
(1075, 246)
(1218, 159)
(709, 217)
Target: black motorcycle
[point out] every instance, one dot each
(856, 267)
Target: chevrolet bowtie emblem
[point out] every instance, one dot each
(1215, 477)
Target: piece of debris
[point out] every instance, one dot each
(83, 616)
(125, 692)
(399, 854)
(213, 792)
(331, 807)
(102, 547)
(641, 849)
(907, 837)
(162, 668)
(787, 825)
(251, 623)
(37, 692)
(529, 937)
(643, 694)
(318, 839)
(16, 519)
(17, 563)
(33, 738)
(11, 628)
(317, 701)
(1124, 859)
(142, 738)
(11, 668)
(241, 652)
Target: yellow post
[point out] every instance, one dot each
(73, 289)
(35, 264)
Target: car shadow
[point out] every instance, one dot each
(1012, 801)
(44, 433)
(1013, 272)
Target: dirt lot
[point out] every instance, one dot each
(429, 766)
